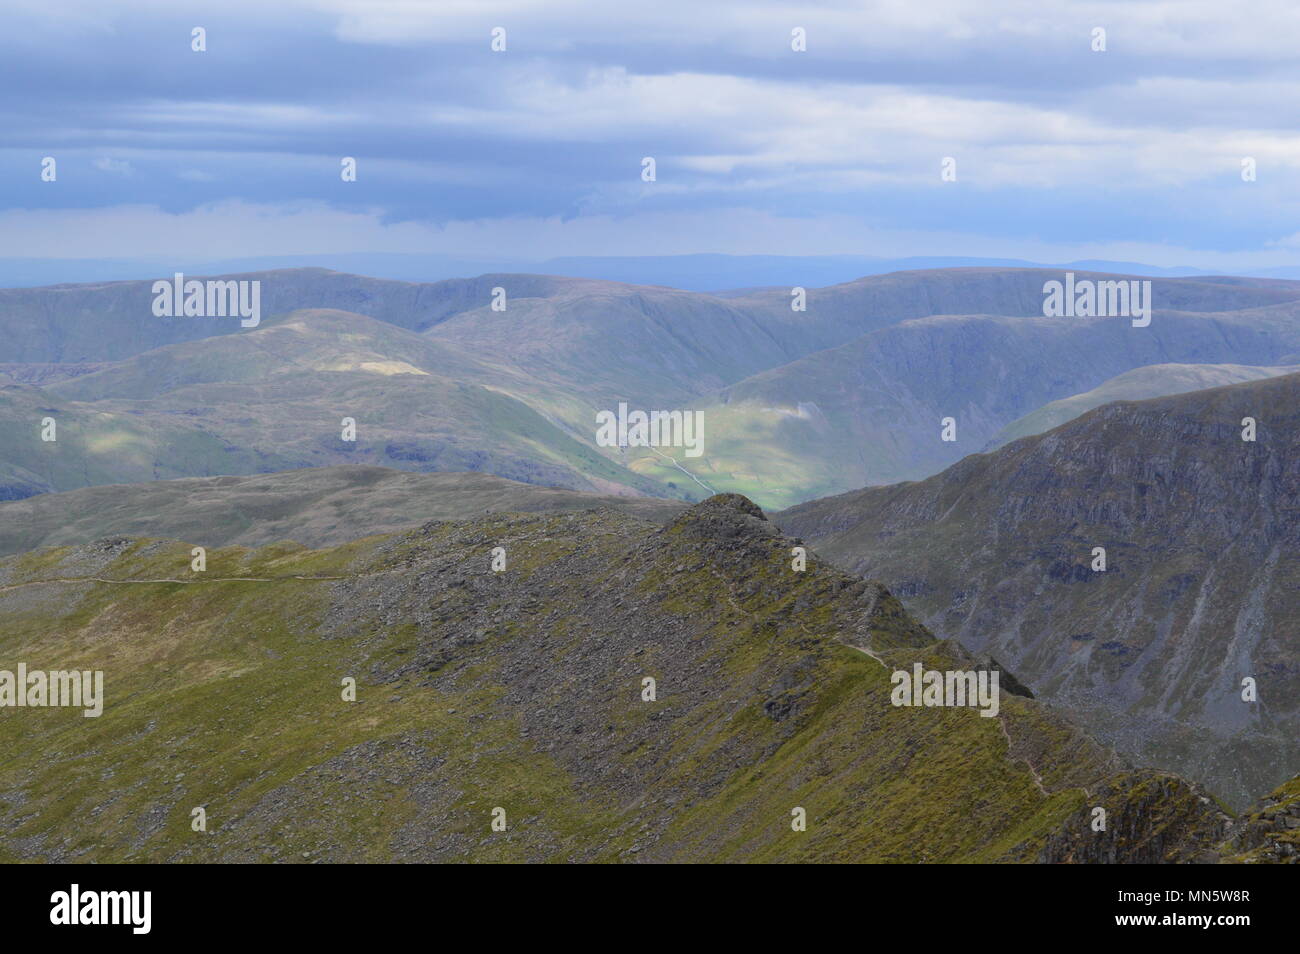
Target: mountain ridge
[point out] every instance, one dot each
(1200, 536)
(483, 692)
(314, 507)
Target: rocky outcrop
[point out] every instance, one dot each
(1140, 819)
(1270, 832)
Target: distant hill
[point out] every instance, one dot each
(315, 507)
(699, 272)
(796, 404)
(1154, 380)
(870, 411)
(274, 398)
(1201, 539)
(109, 321)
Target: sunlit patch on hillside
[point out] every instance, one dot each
(374, 367)
(114, 441)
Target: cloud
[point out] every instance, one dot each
(1054, 143)
(118, 167)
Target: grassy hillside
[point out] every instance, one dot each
(66, 323)
(519, 690)
(274, 398)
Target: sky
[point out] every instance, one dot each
(1062, 152)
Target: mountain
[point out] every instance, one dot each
(520, 695)
(646, 345)
(318, 506)
(1201, 537)
(113, 320)
(652, 346)
(795, 404)
(851, 391)
(1155, 380)
(699, 272)
(67, 323)
(275, 398)
(870, 411)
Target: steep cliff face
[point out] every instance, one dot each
(1201, 537)
(521, 689)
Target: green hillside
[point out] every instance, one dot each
(274, 398)
(519, 690)
(847, 392)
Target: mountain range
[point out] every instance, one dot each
(713, 273)
(1154, 380)
(796, 404)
